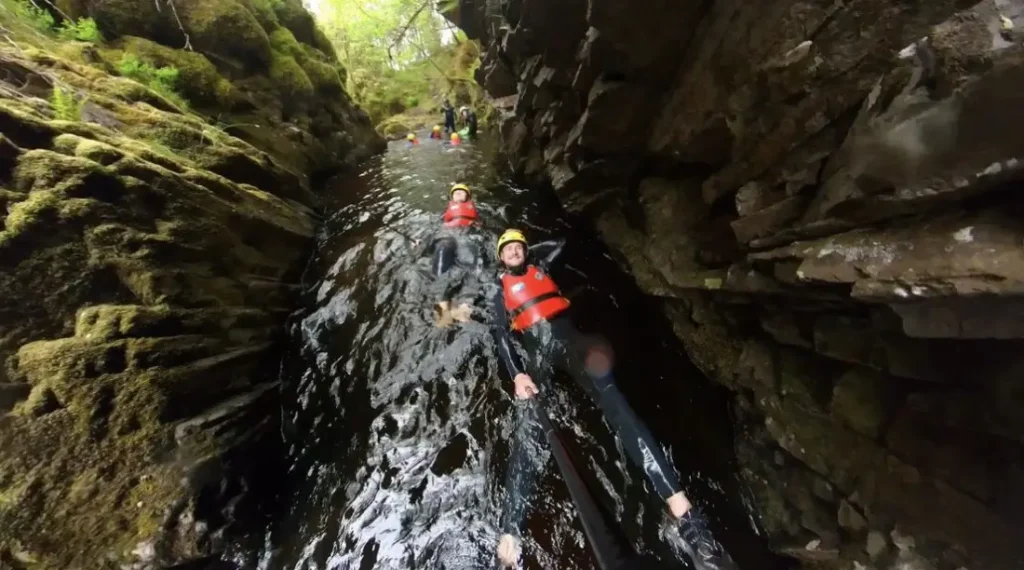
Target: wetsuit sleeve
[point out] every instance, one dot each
(507, 344)
(545, 252)
(525, 464)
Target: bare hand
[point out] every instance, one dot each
(508, 550)
(525, 388)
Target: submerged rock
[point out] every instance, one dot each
(849, 172)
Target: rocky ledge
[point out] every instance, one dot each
(147, 259)
(824, 197)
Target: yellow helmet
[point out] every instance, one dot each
(462, 187)
(410, 136)
(437, 128)
(508, 237)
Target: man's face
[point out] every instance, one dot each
(513, 255)
(460, 196)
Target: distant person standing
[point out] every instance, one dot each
(449, 116)
(469, 118)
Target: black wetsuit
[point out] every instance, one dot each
(449, 118)
(557, 343)
(450, 248)
(471, 123)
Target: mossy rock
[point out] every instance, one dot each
(323, 44)
(394, 127)
(290, 79)
(73, 8)
(225, 28)
(96, 151)
(342, 73)
(292, 15)
(119, 17)
(282, 40)
(132, 91)
(264, 12)
(198, 79)
(324, 76)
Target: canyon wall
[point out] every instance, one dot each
(822, 195)
(150, 242)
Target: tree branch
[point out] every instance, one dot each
(174, 10)
(405, 28)
(59, 11)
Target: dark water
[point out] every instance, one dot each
(397, 430)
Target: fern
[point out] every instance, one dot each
(83, 30)
(163, 80)
(39, 18)
(65, 106)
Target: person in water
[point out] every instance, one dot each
(469, 118)
(411, 139)
(449, 116)
(532, 313)
(460, 215)
(435, 133)
(456, 139)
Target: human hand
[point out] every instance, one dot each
(508, 551)
(525, 388)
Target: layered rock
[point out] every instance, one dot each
(147, 260)
(823, 196)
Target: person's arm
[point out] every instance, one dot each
(524, 465)
(508, 351)
(545, 252)
(423, 247)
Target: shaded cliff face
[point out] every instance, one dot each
(823, 195)
(146, 255)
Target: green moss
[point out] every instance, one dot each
(95, 151)
(264, 12)
(289, 78)
(198, 79)
(120, 17)
(323, 44)
(133, 91)
(282, 40)
(324, 76)
(227, 29)
(395, 126)
(293, 16)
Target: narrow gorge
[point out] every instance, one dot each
(818, 195)
(148, 258)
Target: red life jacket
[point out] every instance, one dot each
(460, 214)
(531, 297)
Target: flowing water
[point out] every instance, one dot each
(398, 431)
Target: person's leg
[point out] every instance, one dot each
(441, 262)
(445, 254)
(590, 366)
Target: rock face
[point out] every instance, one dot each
(146, 260)
(260, 68)
(823, 196)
